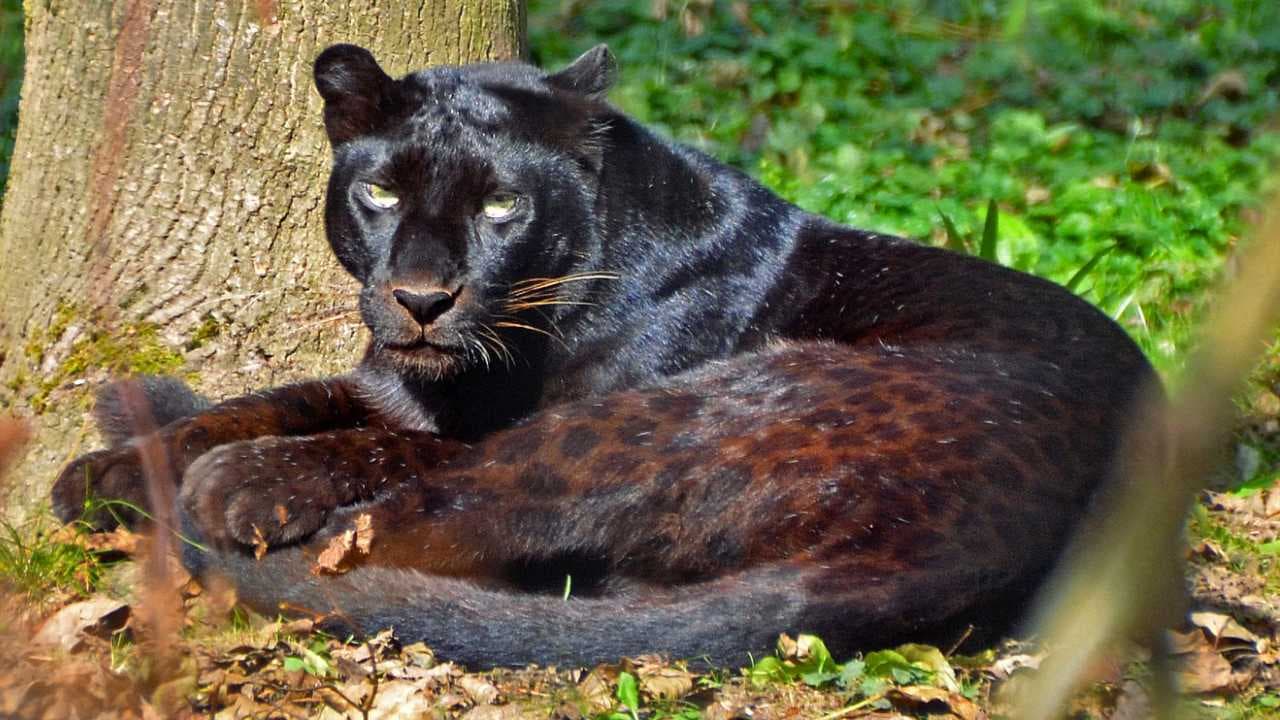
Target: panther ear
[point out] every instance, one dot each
(592, 74)
(357, 93)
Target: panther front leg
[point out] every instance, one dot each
(118, 473)
(279, 490)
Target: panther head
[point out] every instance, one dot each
(461, 198)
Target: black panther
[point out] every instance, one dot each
(600, 356)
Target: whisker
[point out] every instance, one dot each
(530, 285)
(479, 349)
(498, 345)
(518, 305)
(530, 328)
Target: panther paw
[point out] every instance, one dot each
(269, 491)
(89, 488)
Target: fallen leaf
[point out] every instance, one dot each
(451, 701)
(70, 626)
(302, 626)
(259, 544)
(364, 533)
(438, 676)
(1230, 85)
(399, 700)
(418, 654)
(481, 691)
(931, 657)
(343, 549)
(1208, 550)
(1037, 194)
(932, 700)
(1204, 672)
(1006, 666)
(595, 690)
(1225, 631)
(665, 682)
(495, 712)
(788, 648)
(1151, 174)
(331, 558)
(1183, 643)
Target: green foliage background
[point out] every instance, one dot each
(1148, 125)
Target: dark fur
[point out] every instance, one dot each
(741, 420)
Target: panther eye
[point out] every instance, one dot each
(379, 197)
(500, 206)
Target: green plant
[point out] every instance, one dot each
(40, 563)
(868, 676)
(628, 696)
(313, 659)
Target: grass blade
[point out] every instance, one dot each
(1085, 269)
(954, 240)
(987, 251)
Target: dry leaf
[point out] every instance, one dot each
(496, 712)
(1225, 631)
(1229, 84)
(788, 648)
(68, 628)
(259, 544)
(596, 692)
(339, 555)
(1208, 550)
(1037, 194)
(451, 701)
(481, 691)
(665, 682)
(1183, 643)
(302, 626)
(364, 533)
(331, 558)
(1006, 666)
(1204, 672)
(934, 701)
(400, 700)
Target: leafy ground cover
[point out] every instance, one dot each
(1123, 145)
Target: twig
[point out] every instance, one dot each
(852, 708)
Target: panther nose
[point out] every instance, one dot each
(424, 307)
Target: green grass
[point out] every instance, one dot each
(1128, 135)
(36, 563)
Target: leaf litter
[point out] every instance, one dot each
(88, 659)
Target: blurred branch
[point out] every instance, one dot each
(1125, 579)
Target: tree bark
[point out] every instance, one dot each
(164, 207)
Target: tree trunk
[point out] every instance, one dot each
(164, 208)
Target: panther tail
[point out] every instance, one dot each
(722, 622)
(166, 398)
